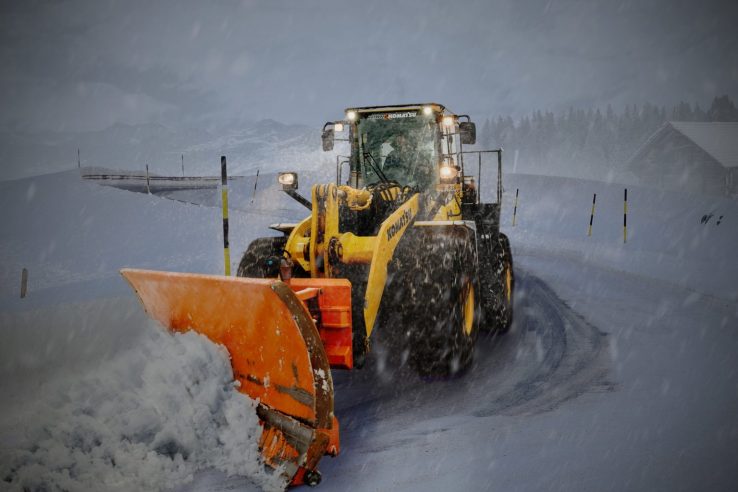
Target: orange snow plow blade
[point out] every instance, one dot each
(276, 354)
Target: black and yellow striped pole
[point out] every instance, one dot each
(625, 216)
(224, 199)
(515, 208)
(592, 214)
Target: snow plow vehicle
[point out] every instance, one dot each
(405, 246)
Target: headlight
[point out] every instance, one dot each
(448, 121)
(351, 115)
(288, 181)
(448, 173)
(427, 110)
(338, 127)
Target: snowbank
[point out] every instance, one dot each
(73, 237)
(146, 420)
(689, 240)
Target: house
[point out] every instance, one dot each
(690, 156)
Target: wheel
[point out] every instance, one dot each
(313, 478)
(498, 284)
(261, 258)
(440, 305)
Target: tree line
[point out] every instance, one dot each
(585, 143)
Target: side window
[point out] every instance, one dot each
(449, 147)
(384, 151)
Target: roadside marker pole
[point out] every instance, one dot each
(592, 214)
(625, 216)
(256, 182)
(515, 209)
(148, 187)
(224, 199)
(24, 283)
(183, 165)
(79, 163)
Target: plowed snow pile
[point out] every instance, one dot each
(147, 420)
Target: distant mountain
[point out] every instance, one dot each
(266, 144)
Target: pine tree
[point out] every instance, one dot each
(579, 141)
(722, 109)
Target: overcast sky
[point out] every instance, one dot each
(73, 65)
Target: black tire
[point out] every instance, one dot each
(498, 284)
(259, 258)
(440, 302)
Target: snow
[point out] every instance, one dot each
(618, 373)
(606, 381)
(667, 239)
(74, 236)
(130, 148)
(717, 138)
(93, 392)
(145, 420)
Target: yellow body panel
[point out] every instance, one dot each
(451, 210)
(298, 243)
(389, 236)
(319, 235)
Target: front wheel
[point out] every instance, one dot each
(261, 258)
(441, 314)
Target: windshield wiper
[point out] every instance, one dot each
(368, 158)
(375, 167)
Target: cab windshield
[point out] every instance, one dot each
(399, 145)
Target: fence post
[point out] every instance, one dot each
(515, 208)
(24, 283)
(479, 177)
(591, 215)
(148, 186)
(224, 199)
(256, 182)
(625, 216)
(183, 165)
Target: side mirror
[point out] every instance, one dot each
(468, 131)
(327, 137)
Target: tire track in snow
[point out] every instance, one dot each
(549, 356)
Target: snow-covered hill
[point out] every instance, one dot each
(264, 145)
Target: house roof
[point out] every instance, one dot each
(719, 139)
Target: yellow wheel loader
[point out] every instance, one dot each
(405, 247)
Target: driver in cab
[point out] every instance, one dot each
(404, 164)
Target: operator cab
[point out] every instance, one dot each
(399, 146)
(409, 144)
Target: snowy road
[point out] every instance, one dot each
(607, 381)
